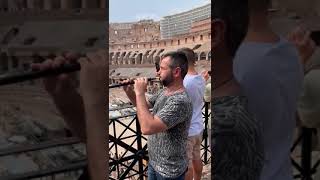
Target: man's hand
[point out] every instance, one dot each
(59, 85)
(305, 45)
(140, 86)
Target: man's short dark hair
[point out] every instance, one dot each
(178, 59)
(189, 54)
(235, 14)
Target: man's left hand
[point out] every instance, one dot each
(140, 86)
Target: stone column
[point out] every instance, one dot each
(47, 4)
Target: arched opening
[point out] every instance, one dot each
(116, 57)
(126, 59)
(209, 56)
(203, 56)
(122, 58)
(111, 55)
(139, 58)
(196, 56)
(133, 59)
(145, 57)
(161, 50)
(151, 56)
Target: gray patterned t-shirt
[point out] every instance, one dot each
(237, 141)
(167, 149)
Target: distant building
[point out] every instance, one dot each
(181, 23)
(141, 31)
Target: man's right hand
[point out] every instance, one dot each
(60, 84)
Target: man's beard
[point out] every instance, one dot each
(168, 80)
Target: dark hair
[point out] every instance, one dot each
(235, 15)
(178, 59)
(189, 54)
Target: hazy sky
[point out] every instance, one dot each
(135, 10)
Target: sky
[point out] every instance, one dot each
(135, 10)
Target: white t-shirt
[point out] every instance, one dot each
(270, 75)
(195, 86)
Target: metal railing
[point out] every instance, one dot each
(132, 163)
(125, 141)
(306, 168)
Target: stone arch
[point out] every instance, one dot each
(209, 56)
(145, 57)
(203, 56)
(122, 61)
(139, 58)
(132, 59)
(150, 59)
(116, 57)
(160, 51)
(127, 57)
(111, 58)
(196, 55)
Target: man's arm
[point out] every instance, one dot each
(93, 88)
(97, 138)
(149, 124)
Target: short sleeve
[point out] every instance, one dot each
(154, 97)
(175, 111)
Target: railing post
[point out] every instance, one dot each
(205, 132)
(306, 152)
(139, 144)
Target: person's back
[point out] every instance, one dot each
(271, 76)
(195, 86)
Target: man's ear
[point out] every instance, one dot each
(218, 30)
(177, 72)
